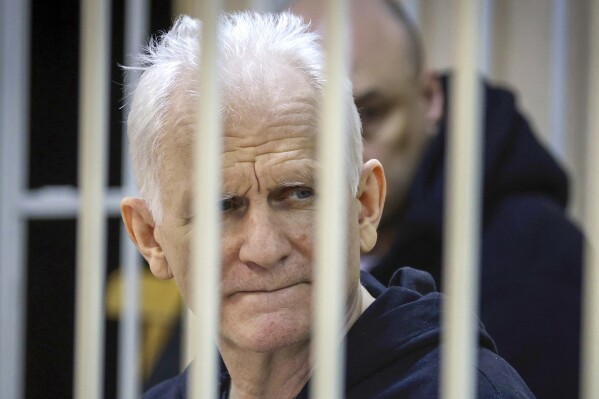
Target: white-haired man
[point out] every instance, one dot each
(271, 71)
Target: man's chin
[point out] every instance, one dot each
(268, 339)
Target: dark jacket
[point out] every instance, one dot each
(530, 250)
(393, 349)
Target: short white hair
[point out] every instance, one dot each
(170, 62)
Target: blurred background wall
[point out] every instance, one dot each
(539, 49)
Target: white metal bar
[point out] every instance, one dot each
(462, 213)
(590, 333)
(331, 252)
(60, 202)
(206, 240)
(137, 16)
(14, 135)
(188, 347)
(559, 77)
(91, 231)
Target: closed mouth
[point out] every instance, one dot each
(266, 290)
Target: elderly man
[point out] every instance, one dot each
(531, 252)
(272, 77)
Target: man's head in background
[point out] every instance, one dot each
(271, 74)
(399, 100)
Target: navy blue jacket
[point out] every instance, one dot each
(393, 349)
(530, 255)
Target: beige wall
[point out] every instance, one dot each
(521, 58)
(185, 6)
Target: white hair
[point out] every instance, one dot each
(171, 61)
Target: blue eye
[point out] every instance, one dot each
(230, 203)
(303, 193)
(225, 204)
(300, 193)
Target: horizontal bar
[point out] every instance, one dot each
(61, 202)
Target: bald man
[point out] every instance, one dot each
(530, 250)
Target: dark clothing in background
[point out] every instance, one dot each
(530, 251)
(393, 349)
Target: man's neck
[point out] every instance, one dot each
(281, 374)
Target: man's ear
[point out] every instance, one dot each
(371, 194)
(140, 228)
(434, 99)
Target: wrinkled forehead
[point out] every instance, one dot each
(263, 89)
(261, 105)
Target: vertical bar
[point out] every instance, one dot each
(93, 128)
(331, 250)
(590, 332)
(462, 214)
(188, 347)
(136, 25)
(14, 136)
(559, 76)
(206, 245)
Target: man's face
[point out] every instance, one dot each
(268, 211)
(389, 94)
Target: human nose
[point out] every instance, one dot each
(265, 244)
